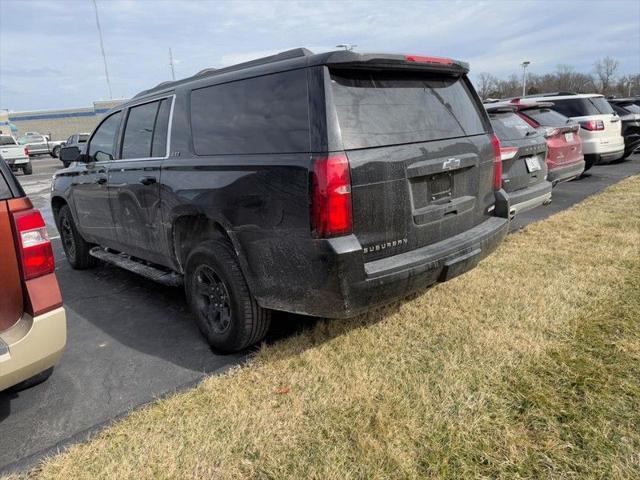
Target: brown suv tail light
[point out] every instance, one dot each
(497, 162)
(34, 247)
(331, 196)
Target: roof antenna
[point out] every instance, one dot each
(348, 47)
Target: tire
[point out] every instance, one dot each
(66, 164)
(235, 321)
(55, 153)
(27, 169)
(32, 382)
(75, 247)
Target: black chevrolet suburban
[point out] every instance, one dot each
(322, 184)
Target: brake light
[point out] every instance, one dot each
(423, 59)
(34, 247)
(497, 162)
(26, 151)
(592, 125)
(331, 196)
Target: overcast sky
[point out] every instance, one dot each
(50, 52)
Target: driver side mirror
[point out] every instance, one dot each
(73, 154)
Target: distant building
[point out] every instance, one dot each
(60, 124)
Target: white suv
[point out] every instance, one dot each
(600, 127)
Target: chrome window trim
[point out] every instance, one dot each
(169, 129)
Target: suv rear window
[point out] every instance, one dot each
(546, 117)
(509, 126)
(268, 114)
(582, 107)
(387, 108)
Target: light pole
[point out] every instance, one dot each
(173, 72)
(104, 57)
(524, 64)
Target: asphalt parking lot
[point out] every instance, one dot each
(131, 341)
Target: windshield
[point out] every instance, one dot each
(509, 126)
(391, 107)
(5, 140)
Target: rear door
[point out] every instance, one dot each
(420, 156)
(11, 301)
(134, 180)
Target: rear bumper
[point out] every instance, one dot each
(18, 161)
(31, 346)
(607, 157)
(565, 173)
(341, 284)
(529, 198)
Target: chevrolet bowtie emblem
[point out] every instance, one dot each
(451, 163)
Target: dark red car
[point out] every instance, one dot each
(565, 160)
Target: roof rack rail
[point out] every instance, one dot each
(278, 57)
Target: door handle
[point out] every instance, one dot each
(148, 180)
(100, 180)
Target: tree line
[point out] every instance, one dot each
(603, 78)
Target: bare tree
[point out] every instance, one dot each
(605, 71)
(486, 84)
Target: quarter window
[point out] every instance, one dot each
(267, 114)
(102, 146)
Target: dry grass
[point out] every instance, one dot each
(526, 367)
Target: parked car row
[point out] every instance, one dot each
(322, 184)
(16, 156)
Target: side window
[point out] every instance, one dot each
(103, 143)
(267, 114)
(159, 147)
(138, 132)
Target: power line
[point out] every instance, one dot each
(104, 57)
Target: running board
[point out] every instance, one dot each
(165, 277)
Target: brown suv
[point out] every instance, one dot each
(33, 328)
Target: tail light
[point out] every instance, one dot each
(423, 59)
(592, 125)
(26, 151)
(331, 196)
(497, 162)
(34, 247)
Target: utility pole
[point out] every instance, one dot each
(104, 57)
(173, 72)
(524, 64)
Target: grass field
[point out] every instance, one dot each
(526, 367)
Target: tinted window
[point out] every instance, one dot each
(631, 108)
(267, 114)
(4, 187)
(546, 117)
(138, 132)
(159, 147)
(4, 140)
(385, 108)
(102, 146)
(582, 107)
(509, 126)
(601, 104)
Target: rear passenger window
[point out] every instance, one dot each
(267, 114)
(509, 126)
(138, 133)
